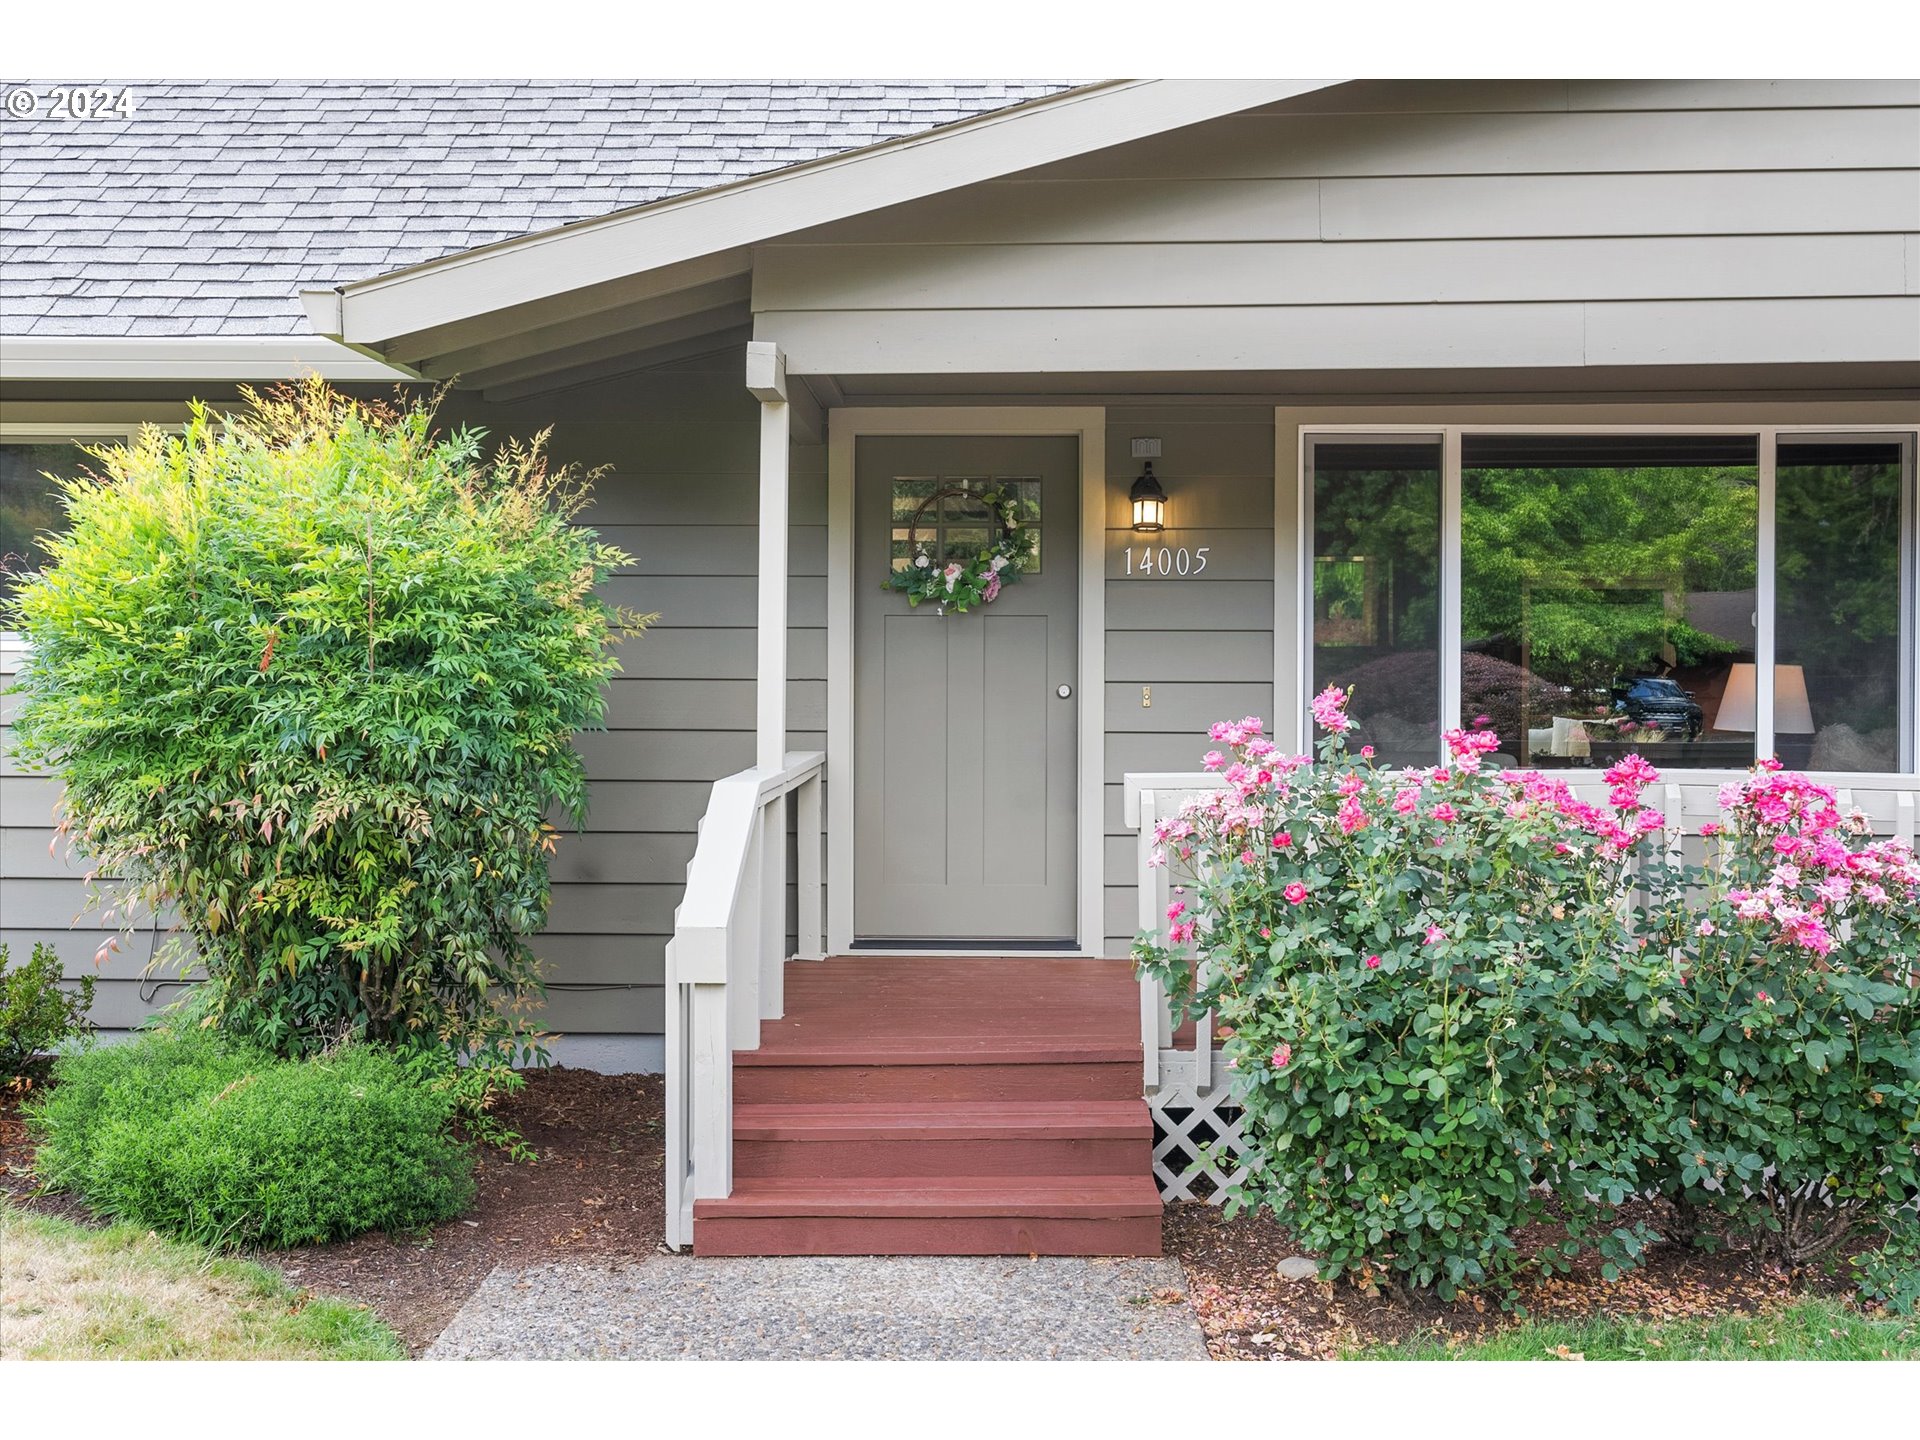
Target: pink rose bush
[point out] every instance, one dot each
(1482, 1024)
(1786, 1088)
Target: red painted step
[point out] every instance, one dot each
(761, 1078)
(935, 1138)
(960, 1105)
(1039, 1215)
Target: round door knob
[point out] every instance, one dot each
(1065, 692)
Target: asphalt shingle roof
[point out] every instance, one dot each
(208, 210)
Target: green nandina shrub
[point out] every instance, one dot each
(310, 674)
(1428, 998)
(215, 1141)
(36, 1015)
(1794, 1057)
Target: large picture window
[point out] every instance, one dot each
(1702, 599)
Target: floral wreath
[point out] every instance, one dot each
(959, 585)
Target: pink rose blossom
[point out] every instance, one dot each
(1434, 935)
(1373, 962)
(1282, 1056)
(1295, 893)
(1282, 840)
(1444, 813)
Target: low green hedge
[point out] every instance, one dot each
(195, 1136)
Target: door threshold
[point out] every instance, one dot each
(963, 947)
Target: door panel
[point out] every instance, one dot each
(964, 752)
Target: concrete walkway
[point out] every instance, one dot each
(672, 1307)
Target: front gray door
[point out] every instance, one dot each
(964, 747)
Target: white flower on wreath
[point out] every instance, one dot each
(953, 575)
(920, 561)
(999, 563)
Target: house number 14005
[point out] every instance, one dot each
(1166, 560)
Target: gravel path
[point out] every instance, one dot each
(910, 1308)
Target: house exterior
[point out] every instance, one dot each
(1589, 407)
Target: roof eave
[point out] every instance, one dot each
(203, 358)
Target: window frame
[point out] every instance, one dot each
(13, 644)
(1767, 439)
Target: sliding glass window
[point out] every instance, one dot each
(1376, 587)
(1843, 676)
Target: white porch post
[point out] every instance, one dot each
(767, 382)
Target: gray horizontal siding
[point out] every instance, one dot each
(1416, 225)
(1204, 644)
(680, 494)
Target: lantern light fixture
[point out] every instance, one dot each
(1149, 503)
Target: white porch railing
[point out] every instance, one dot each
(726, 961)
(1187, 1088)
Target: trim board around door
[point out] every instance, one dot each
(1086, 424)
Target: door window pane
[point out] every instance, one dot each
(1608, 595)
(957, 525)
(1840, 682)
(1376, 589)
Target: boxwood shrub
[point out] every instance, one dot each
(210, 1140)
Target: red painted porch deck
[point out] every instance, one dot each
(959, 1105)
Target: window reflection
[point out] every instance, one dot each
(1376, 587)
(1837, 633)
(1608, 596)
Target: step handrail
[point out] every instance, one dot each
(726, 960)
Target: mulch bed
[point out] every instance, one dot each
(1249, 1312)
(596, 1189)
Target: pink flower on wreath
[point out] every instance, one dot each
(1282, 1056)
(992, 592)
(1295, 893)
(1434, 935)
(1373, 962)
(1282, 840)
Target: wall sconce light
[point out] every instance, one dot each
(1149, 503)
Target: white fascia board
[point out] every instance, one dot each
(536, 267)
(157, 357)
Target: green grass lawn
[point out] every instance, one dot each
(1806, 1330)
(71, 1293)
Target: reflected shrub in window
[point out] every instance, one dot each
(1376, 589)
(1607, 593)
(1837, 588)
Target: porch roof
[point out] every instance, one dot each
(671, 278)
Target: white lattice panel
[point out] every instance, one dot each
(1197, 1149)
